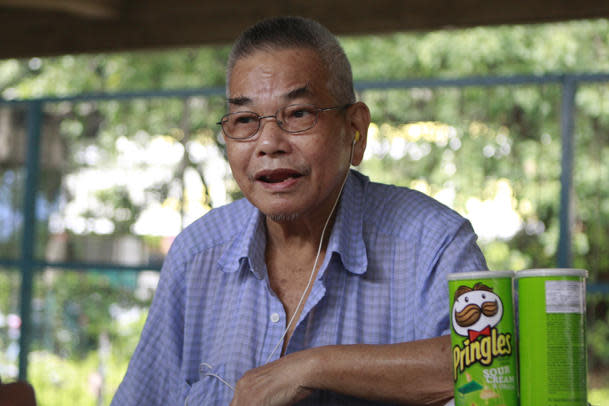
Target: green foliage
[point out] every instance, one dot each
(507, 50)
(599, 397)
(57, 381)
(74, 74)
(119, 207)
(96, 376)
(598, 332)
(72, 310)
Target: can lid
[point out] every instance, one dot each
(545, 272)
(479, 275)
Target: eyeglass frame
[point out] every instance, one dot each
(279, 122)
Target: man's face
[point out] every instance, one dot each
(288, 175)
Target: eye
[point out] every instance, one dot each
(483, 296)
(244, 119)
(299, 112)
(466, 299)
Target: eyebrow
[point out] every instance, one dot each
(291, 95)
(239, 101)
(300, 92)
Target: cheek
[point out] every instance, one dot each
(237, 158)
(332, 151)
(326, 159)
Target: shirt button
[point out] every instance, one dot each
(275, 317)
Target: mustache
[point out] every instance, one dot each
(472, 312)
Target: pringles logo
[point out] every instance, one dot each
(476, 313)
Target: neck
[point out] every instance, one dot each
(302, 235)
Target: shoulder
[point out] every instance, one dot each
(406, 212)
(217, 227)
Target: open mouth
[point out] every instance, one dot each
(277, 176)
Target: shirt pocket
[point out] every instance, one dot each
(212, 388)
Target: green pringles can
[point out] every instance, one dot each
(483, 338)
(551, 331)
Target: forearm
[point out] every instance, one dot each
(414, 373)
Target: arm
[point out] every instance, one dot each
(413, 373)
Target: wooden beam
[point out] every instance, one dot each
(147, 24)
(82, 8)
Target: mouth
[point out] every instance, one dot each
(277, 175)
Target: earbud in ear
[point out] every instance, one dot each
(356, 138)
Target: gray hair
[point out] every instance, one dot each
(296, 32)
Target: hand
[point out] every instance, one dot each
(279, 383)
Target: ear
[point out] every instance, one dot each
(359, 121)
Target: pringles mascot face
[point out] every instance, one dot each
(476, 311)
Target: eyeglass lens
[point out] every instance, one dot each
(293, 118)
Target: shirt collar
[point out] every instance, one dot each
(346, 240)
(246, 250)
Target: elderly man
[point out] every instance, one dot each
(320, 287)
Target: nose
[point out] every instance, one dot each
(271, 140)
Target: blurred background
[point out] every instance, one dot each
(107, 152)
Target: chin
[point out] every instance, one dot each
(283, 217)
(280, 211)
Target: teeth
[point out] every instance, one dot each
(278, 179)
(268, 179)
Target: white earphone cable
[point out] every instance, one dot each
(321, 242)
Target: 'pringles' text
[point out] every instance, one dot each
(483, 350)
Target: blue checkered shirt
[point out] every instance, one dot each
(214, 315)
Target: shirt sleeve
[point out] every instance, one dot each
(458, 252)
(153, 376)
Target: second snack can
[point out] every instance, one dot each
(552, 327)
(483, 339)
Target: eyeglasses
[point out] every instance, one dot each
(293, 119)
